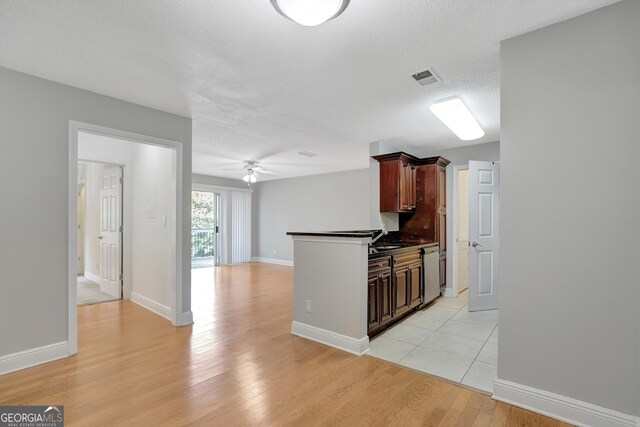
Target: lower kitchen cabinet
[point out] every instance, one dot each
(385, 298)
(373, 318)
(401, 282)
(395, 285)
(380, 299)
(415, 283)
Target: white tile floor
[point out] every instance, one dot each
(446, 340)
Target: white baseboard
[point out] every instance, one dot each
(111, 289)
(184, 319)
(93, 277)
(332, 339)
(151, 305)
(107, 288)
(450, 293)
(34, 356)
(560, 407)
(272, 261)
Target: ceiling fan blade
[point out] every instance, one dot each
(268, 172)
(226, 164)
(232, 169)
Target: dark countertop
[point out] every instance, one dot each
(403, 246)
(351, 233)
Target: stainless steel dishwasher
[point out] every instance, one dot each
(431, 266)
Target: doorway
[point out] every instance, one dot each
(461, 236)
(205, 229)
(160, 211)
(100, 211)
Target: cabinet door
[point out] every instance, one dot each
(441, 182)
(415, 285)
(441, 231)
(441, 209)
(400, 290)
(373, 318)
(405, 190)
(397, 186)
(412, 186)
(385, 292)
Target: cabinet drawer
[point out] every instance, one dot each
(407, 258)
(376, 265)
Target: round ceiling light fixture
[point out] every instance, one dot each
(310, 12)
(250, 177)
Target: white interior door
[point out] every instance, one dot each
(111, 231)
(484, 250)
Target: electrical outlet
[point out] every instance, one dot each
(274, 251)
(307, 305)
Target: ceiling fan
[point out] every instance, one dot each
(251, 170)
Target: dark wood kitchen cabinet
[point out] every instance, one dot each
(429, 222)
(417, 190)
(373, 318)
(401, 290)
(415, 285)
(395, 285)
(441, 224)
(398, 174)
(380, 305)
(407, 276)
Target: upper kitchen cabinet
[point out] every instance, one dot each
(429, 222)
(398, 177)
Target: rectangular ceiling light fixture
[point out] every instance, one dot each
(457, 117)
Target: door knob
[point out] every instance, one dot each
(100, 237)
(475, 244)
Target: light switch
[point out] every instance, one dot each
(164, 220)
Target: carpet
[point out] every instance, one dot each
(89, 293)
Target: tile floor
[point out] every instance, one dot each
(445, 340)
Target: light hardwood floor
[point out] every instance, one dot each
(238, 365)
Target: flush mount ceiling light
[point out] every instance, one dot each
(457, 117)
(310, 12)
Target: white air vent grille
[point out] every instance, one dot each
(426, 77)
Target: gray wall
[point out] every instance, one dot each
(335, 201)
(216, 180)
(34, 157)
(489, 151)
(459, 156)
(569, 301)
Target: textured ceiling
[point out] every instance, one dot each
(260, 87)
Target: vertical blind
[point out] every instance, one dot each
(240, 226)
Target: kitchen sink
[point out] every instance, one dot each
(387, 247)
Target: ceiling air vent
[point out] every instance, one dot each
(426, 77)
